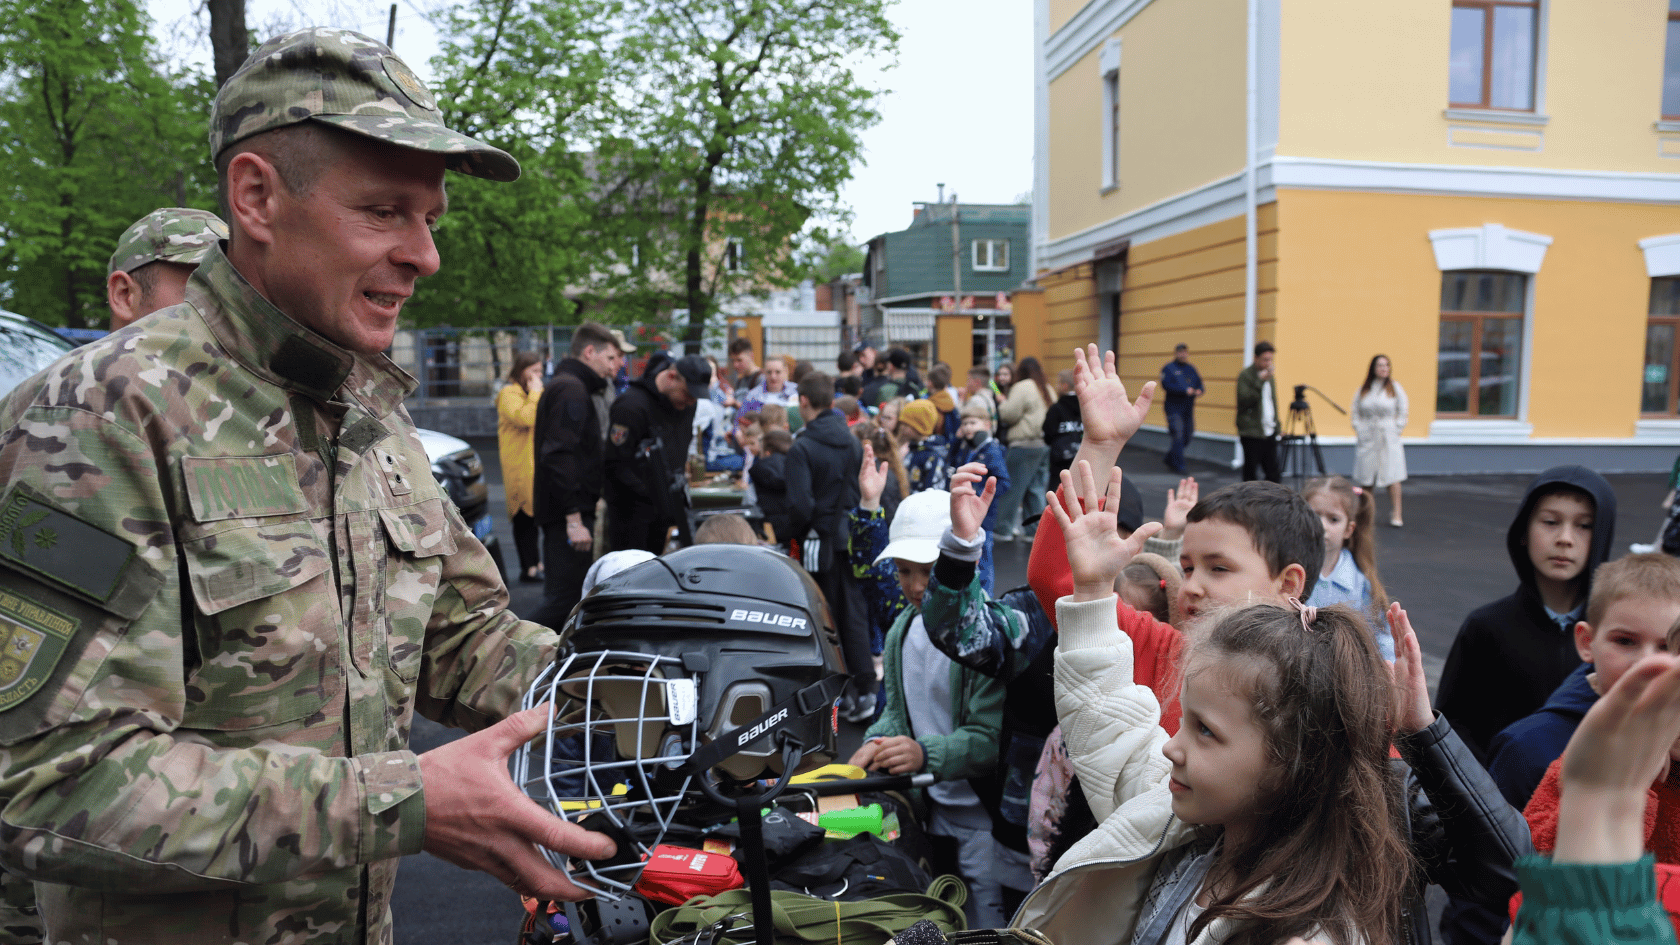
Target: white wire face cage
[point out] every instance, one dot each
(623, 723)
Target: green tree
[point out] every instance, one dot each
(744, 116)
(94, 134)
(533, 77)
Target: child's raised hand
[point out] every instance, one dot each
(1177, 513)
(1110, 417)
(1412, 711)
(968, 508)
(1621, 746)
(1096, 553)
(872, 480)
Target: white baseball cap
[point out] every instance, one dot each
(917, 526)
(613, 562)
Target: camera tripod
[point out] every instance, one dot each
(1299, 455)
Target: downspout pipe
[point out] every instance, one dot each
(1251, 272)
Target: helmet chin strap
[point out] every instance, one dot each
(771, 725)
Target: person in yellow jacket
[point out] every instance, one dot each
(516, 415)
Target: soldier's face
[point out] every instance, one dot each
(347, 254)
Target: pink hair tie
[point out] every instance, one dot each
(1358, 491)
(1309, 613)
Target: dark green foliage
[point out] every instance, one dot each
(94, 134)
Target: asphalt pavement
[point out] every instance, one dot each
(1448, 559)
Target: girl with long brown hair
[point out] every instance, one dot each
(1272, 813)
(1379, 418)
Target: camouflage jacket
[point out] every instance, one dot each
(227, 581)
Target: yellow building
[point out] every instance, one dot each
(1486, 191)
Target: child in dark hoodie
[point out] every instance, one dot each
(1512, 654)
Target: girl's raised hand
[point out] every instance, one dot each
(1412, 711)
(968, 508)
(1096, 553)
(1177, 513)
(872, 481)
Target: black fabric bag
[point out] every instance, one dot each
(860, 868)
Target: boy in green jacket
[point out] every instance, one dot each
(939, 718)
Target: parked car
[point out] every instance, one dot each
(27, 346)
(460, 473)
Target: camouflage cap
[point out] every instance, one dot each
(173, 234)
(349, 81)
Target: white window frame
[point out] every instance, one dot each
(734, 255)
(1110, 70)
(991, 263)
(1492, 246)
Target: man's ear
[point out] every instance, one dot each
(122, 294)
(254, 190)
(1583, 641)
(1292, 581)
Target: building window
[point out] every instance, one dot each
(1671, 65)
(1109, 64)
(1111, 129)
(1658, 393)
(991, 255)
(1494, 45)
(734, 255)
(1479, 367)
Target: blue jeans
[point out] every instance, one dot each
(1029, 477)
(987, 567)
(1181, 426)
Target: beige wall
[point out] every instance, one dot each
(1063, 10)
(1367, 80)
(1181, 106)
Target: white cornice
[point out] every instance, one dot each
(1473, 181)
(1077, 37)
(1222, 198)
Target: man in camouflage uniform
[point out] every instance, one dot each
(154, 259)
(228, 578)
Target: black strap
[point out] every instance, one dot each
(805, 702)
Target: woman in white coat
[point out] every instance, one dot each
(1379, 417)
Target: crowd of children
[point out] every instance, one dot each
(1216, 727)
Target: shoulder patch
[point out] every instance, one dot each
(47, 541)
(619, 434)
(32, 640)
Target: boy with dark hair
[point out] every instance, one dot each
(1634, 602)
(822, 486)
(1512, 654)
(1063, 428)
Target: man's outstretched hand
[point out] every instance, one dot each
(478, 819)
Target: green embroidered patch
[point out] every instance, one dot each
(224, 487)
(33, 639)
(52, 543)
